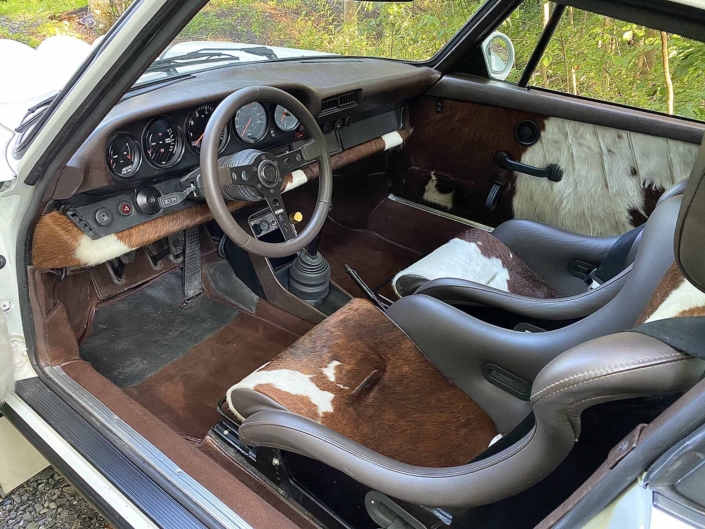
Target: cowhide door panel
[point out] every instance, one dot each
(611, 178)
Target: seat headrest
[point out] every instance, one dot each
(689, 243)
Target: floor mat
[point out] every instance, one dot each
(185, 393)
(373, 257)
(137, 335)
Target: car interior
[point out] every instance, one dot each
(362, 294)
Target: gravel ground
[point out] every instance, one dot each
(48, 501)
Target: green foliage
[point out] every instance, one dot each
(410, 31)
(603, 58)
(590, 55)
(32, 21)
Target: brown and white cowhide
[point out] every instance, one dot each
(58, 243)
(360, 375)
(612, 178)
(606, 175)
(476, 255)
(675, 297)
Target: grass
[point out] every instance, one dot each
(32, 21)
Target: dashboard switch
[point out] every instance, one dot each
(104, 217)
(125, 209)
(147, 200)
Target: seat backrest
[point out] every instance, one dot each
(631, 364)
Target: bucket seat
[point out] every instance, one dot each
(410, 402)
(535, 270)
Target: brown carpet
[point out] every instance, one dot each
(184, 394)
(375, 258)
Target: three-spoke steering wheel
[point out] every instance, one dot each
(262, 174)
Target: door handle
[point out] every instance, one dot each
(553, 172)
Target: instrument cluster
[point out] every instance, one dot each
(174, 140)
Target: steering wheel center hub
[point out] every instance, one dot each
(268, 173)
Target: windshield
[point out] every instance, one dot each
(230, 32)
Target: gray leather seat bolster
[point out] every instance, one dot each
(462, 292)
(548, 251)
(675, 190)
(442, 332)
(690, 232)
(610, 368)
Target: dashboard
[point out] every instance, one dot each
(136, 166)
(146, 148)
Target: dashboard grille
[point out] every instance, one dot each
(331, 104)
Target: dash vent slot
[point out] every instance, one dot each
(331, 104)
(345, 100)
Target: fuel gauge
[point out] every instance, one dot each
(285, 120)
(123, 156)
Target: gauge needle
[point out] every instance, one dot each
(195, 143)
(246, 126)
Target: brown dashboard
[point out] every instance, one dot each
(149, 141)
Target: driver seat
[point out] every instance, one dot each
(400, 402)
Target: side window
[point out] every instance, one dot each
(603, 58)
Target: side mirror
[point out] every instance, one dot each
(498, 52)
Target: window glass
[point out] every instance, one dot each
(406, 30)
(604, 58)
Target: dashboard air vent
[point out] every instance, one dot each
(331, 104)
(347, 99)
(328, 105)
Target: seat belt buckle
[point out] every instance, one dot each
(592, 280)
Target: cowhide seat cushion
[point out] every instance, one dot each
(360, 375)
(675, 297)
(474, 255)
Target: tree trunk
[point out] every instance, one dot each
(349, 11)
(106, 12)
(542, 67)
(667, 71)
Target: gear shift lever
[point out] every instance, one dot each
(309, 275)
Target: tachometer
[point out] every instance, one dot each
(251, 123)
(196, 127)
(285, 120)
(123, 156)
(163, 146)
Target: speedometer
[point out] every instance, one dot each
(195, 128)
(162, 143)
(251, 123)
(285, 120)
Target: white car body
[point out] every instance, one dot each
(40, 73)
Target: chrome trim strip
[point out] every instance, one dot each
(148, 452)
(443, 214)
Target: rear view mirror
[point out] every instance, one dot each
(498, 52)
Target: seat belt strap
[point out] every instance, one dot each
(613, 263)
(686, 334)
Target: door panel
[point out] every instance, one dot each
(612, 177)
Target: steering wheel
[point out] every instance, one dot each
(255, 175)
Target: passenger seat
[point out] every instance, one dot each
(535, 270)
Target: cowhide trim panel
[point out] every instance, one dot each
(360, 375)
(476, 255)
(448, 162)
(612, 179)
(362, 151)
(59, 243)
(675, 297)
(606, 175)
